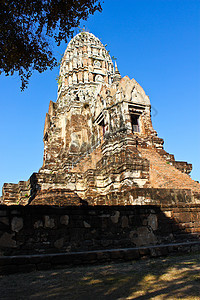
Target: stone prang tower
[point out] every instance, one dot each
(99, 143)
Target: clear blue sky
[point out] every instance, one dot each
(157, 42)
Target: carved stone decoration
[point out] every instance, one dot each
(97, 63)
(98, 78)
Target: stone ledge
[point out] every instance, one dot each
(29, 263)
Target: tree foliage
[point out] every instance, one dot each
(27, 28)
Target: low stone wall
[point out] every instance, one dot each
(28, 263)
(48, 229)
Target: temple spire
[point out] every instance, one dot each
(116, 68)
(117, 75)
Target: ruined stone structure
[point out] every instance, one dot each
(121, 195)
(99, 141)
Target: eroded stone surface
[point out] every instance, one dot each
(17, 224)
(115, 217)
(59, 243)
(125, 222)
(49, 222)
(6, 240)
(98, 138)
(152, 221)
(38, 224)
(4, 220)
(86, 224)
(142, 236)
(91, 227)
(64, 220)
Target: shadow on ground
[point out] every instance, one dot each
(175, 277)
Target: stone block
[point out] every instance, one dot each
(86, 224)
(143, 237)
(88, 257)
(62, 259)
(116, 254)
(152, 221)
(3, 213)
(38, 224)
(17, 224)
(64, 220)
(155, 252)
(20, 260)
(131, 254)
(6, 240)
(115, 217)
(49, 222)
(163, 251)
(59, 243)
(15, 212)
(4, 220)
(36, 259)
(125, 222)
(103, 256)
(144, 252)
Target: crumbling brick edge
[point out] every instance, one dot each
(29, 263)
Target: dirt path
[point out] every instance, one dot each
(163, 278)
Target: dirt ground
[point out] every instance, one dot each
(175, 277)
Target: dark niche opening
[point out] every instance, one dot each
(102, 124)
(135, 123)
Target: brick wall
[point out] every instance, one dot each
(48, 229)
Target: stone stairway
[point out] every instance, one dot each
(164, 175)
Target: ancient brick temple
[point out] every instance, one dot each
(99, 142)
